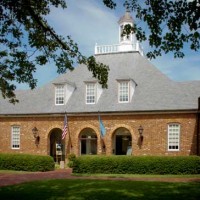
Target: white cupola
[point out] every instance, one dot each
(126, 43)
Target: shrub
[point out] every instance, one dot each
(71, 159)
(25, 162)
(137, 164)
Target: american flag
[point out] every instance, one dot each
(64, 133)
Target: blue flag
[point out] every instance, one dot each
(102, 127)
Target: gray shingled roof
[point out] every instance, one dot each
(154, 91)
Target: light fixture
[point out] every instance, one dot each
(36, 136)
(35, 132)
(140, 130)
(125, 138)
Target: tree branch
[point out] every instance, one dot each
(46, 28)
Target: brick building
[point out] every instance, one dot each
(143, 111)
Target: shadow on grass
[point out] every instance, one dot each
(100, 190)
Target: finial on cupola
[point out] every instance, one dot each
(127, 6)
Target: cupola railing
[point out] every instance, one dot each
(117, 48)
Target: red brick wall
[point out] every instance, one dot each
(27, 144)
(154, 142)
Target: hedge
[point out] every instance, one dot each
(137, 164)
(25, 162)
(71, 158)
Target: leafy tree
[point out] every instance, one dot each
(171, 23)
(27, 40)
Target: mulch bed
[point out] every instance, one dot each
(12, 179)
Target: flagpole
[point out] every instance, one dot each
(65, 127)
(65, 131)
(70, 140)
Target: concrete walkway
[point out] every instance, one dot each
(12, 179)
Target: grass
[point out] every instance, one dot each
(139, 175)
(100, 189)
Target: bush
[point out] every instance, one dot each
(137, 164)
(24, 162)
(71, 159)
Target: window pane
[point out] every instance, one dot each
(90, 93)
(15, 137)
(173, 137)
(59, 95)
(124, 91)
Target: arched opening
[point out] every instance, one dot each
(57, 145)
(122, 142)
(88, 142)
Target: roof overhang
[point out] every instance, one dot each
(151, 112)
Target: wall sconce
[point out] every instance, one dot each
(125, 138)
(140, 130)
(36, 136)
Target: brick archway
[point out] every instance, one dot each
(121, 141)
(76, 138)
(88, 142)
(56, 146)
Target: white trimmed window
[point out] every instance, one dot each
(90, 93)
(15, 137)
(123, 92)
(59, 95)
(173, 137)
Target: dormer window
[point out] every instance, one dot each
(123, 88)
(59, 94)
(126, 88)
(63, 92)
(91, 93)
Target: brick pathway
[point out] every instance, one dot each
(12, 179)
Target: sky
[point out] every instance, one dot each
(89, 22)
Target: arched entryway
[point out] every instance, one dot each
(57, 145)
(122, 142)
(88, 142)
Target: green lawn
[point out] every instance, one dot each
(100, 190)
(139, 175)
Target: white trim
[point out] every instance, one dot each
(58, 94)
(119, 84)
(93, 94)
